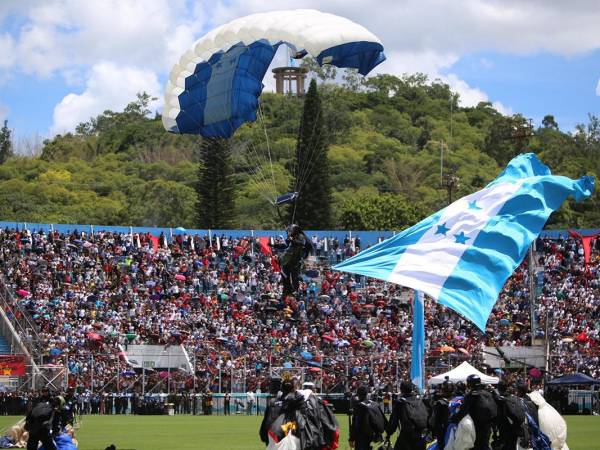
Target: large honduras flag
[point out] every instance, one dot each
(462, 255)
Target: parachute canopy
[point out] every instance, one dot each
(214, 88)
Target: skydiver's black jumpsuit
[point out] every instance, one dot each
(298, 248)
(477, 404)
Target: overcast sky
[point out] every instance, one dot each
(63, 61)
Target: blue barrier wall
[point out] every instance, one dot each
(366, 237)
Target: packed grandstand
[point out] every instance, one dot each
(88, 297)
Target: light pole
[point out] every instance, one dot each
(451, 183)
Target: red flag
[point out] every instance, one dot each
(12, 365)
(275, 264)
(587, 244)
(264, 245)
(154, 241)
(581, 337)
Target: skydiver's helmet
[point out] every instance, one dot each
(447, 387)
(406, 388)
(362, 392)
(288, 384)
(522, 388)
(58, 402)
(502, 387)
(473, 381)
(293, 230)
(274, 385)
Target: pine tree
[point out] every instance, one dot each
(311, 170)
(215, 185)
(5, 143)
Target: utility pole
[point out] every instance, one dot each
(451, 183)
(521, 130)
(441, 163)
(451, 121)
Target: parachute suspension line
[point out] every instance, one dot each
(263, 191)
(264, 125)
(302, 171)
(257, 168)
(262, 186)
(294, 211)
(258, 177)
(310, 165)
(306, 168)
(261, 168)
(265, 184)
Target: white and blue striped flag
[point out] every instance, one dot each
(462, 255)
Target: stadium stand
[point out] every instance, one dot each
(90, 295)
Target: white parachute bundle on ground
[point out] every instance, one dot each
(551, 422)
(463, 436)
(290, 442)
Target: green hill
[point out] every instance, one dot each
(385, 135)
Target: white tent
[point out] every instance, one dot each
(461, 373)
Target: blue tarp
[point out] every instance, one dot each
(306, 355)
(574, 378)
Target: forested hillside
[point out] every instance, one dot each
(386, 136)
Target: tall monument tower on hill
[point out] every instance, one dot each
(290, 79)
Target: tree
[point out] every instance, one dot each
(371, 210)
(215, 189)
(5, 143)
(324, 72)
(162, 203)
(549, 122)
(353, 80)
(312, 209)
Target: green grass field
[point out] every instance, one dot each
(230, 433)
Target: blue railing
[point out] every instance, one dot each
(367, 238)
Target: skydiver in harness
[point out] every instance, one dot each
(297, 248)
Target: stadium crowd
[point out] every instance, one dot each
(92, 295)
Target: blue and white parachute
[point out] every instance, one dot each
(214, 88)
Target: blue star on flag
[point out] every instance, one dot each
(461, 238)
(473, 205)
(442, 229)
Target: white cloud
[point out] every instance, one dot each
(143, 33)
(598, 88)
(108, 87)
(485, 63)
(429, 36)
(457, 27)
(469, 96)
(506, 110)
(7, 51)
(147, 36)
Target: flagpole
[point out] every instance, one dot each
(417, 374)
(532, 293)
